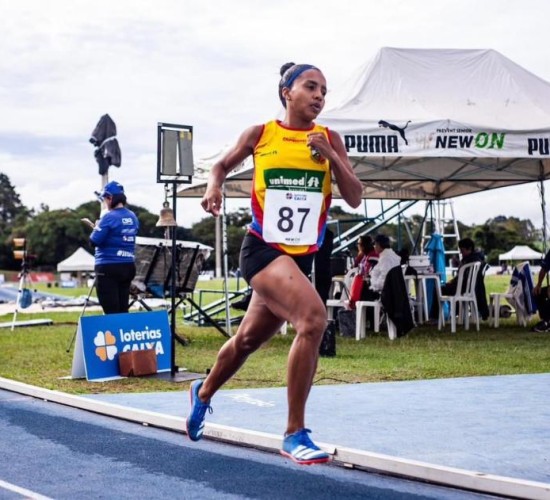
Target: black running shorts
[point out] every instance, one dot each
(256, 254)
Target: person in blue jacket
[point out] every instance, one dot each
(114, 239)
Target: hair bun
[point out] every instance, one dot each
(285, 67)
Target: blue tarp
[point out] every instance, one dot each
(521, 287)
(436, 251)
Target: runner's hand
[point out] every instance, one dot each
(212, 201)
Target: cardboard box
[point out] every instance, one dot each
(137, 363)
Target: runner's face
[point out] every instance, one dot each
(307, 95)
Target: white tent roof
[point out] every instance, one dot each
(521, 252)
(436, 123)
(80, 260)
(472, 88)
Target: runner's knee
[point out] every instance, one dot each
(246, 342)
(312, 322)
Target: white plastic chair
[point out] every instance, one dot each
(361, 318)
(464, 304)
(343, 287)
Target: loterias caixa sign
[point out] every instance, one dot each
(443, 138)
(100, 339)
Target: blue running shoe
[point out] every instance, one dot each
(300, 449)
(195, 420)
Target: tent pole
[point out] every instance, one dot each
(421, 229)
(173, 367)
(218, 245)
(543, 208)
(399, 236)
(104, 182)
(225, 264)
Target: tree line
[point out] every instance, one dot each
(53, 235)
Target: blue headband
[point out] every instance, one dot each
(291, 74)
(300, 68)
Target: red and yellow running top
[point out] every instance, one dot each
(291, 191)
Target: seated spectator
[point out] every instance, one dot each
(469, 254)
(367, 257)
(541, 297)
(387, 259)
(385, 283)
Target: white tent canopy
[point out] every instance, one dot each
(521, 252)
(435, 123)
(80, 260)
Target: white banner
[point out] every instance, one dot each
(436, 139)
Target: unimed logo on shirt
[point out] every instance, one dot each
(127, 221)
(294, 180)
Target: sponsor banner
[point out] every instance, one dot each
(444, 138)
(287, 179)
(100, 339)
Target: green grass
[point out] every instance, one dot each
(202, 288)
(37, 355)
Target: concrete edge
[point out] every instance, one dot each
(346, 457)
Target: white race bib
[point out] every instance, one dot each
(291, 217)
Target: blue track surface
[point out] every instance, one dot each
(497, 425)
(8, 293)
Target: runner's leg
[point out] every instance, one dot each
(257, 327)
(289, 295)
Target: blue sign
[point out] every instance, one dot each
(100, 339)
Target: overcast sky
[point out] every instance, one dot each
(213, 65)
